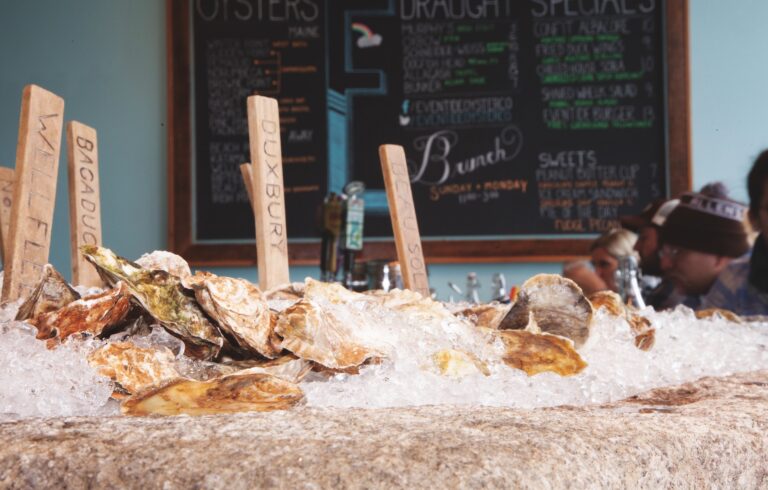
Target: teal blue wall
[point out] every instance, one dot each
(107, 59)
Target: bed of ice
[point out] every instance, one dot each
(35, 381)
(686, 349)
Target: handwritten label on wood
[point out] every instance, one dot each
(34, 195)
(267, 188)
(84, 200)
(404, 223)
(6, 199)
(247, 171)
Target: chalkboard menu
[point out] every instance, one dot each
(529, 126)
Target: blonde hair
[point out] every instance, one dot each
(618, 242)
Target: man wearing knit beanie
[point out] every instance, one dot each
(701, 236)
(743, 286)
(648, 243)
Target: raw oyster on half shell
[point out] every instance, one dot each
(162, 295)
(487, 315)
(558, 307)
(458, 364)
(240, 310)
(255, 392)
(50, 294)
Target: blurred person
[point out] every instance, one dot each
(656, 291)
(743, 286)
(607, 250)
(581, 272)
(701, 236)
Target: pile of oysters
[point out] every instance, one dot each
(221, 345)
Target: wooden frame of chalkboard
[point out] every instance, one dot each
(181, 224)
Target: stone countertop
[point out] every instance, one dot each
(710, 433)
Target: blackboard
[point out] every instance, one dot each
(529, 125)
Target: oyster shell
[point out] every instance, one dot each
(240, 310)
(255, 392)
(289, 292)
(458, 364)
(162, 295)
(715, 312)
(558, 306)
(50, 294)
(645, 334)
(165, 261)
(92, 314)
(316, 333)
(537, 353)
(288, 367)
(487, 315)
(134, 368)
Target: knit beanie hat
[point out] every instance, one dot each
(707, 224)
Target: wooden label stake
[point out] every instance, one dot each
(404, 223)
(34, 195)
(6, 200)
(84, 200)
(267, 189)
(246, 169)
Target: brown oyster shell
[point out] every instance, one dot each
(92, 314)
(50, 294)
(458, 364)
(287, 367)
(165, 261)
(714, 312)
(163, 297)
(315, 333)
(132, 367)
(487, 315)
(255, 392)
(558, 307)
(240, 311)
(538, 353)
(645, 334)
(293, 291)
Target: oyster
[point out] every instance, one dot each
(457, 364)
(240, 310)
(487, 315)
(165, 261)
(289, 292)
(715, 312)
(558, 306)
(609, 300)
(92, 314)
(645, 334)
(50, 294)
(318, 334)
(255, 392)
(288, 367)
(537, 353)
(133, 368)
(162, 295)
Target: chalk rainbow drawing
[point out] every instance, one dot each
(369, 39)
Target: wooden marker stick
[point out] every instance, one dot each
(247, 171)
(404, 224)
(84, 200)
(267, 187)
(34, 195)
(6, 200)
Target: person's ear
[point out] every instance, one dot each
(721, 261)
(753, 219)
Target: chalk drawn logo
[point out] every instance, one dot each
(435, 165)
(368, 38)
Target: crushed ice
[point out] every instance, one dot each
(686, 349)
